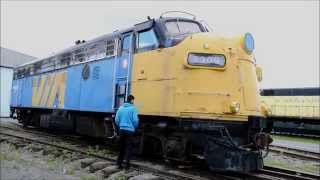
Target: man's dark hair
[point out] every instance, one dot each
(130, 98)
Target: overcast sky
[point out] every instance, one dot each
(286, 32)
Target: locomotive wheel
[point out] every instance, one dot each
(24, 118)
(25, 121)
(152, 146)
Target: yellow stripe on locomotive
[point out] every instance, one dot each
(48, 90)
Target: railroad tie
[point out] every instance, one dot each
(145, 176)
(96, 166)
(107, 171)
(86, 162)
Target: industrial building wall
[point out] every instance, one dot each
(6, 75)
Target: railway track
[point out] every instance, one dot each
(69, 145)
(292, 152)
(136, 166)
(313, 136)
(297, 153)
(271, 173)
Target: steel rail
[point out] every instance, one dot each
(299, 153)
(314, 136)
(289, 174)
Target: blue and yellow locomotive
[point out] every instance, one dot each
(196, 91)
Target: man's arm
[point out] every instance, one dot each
(117, 118)
(135, 118)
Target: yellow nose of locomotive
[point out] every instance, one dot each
(218, 77)
(203, 76)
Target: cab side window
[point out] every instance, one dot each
(126, 44)
(147, 40)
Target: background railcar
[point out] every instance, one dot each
(294, 110)
(196, 91)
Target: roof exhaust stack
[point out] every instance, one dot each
(77, 42)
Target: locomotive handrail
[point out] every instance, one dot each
(182, 12)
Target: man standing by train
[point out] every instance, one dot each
(127, 121)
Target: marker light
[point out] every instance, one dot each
(235, 107)
(248, 43)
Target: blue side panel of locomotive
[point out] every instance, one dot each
(94, 93)
(21, 93)
(97, 91)
(26, 92)
(73, 88)
(14, 93)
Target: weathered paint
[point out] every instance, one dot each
(165, 84)
(96, 92)
(48, 90)
(162, 81)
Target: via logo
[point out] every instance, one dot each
(48, 90)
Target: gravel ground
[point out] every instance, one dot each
(28, 164)
(25, 161)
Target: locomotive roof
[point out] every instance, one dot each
(137, 27)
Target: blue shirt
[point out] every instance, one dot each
(127, 117)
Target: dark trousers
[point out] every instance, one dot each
(126, 138)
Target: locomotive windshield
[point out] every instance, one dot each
(147, 39)
(176, 28)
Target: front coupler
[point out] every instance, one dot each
(221, 155)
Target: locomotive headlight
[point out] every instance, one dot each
(248, 43)
(211, 60)
(235, 107)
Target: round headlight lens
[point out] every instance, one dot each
(248, 43)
